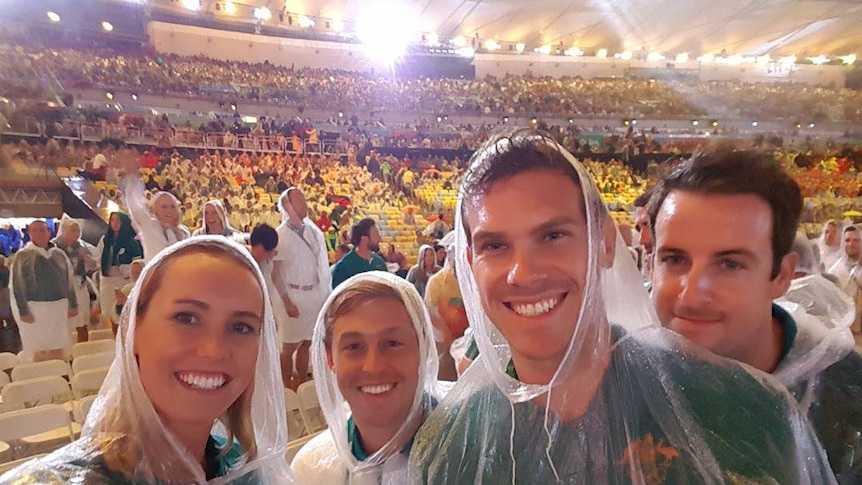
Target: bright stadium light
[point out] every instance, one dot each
(706, 58)
(682, 57)
(602, 53)
(466, 52)
(623, 55)
(53, 16)
(386, 29)
(848, 59)
(574, 52)
(262, 13)
(459, 41)
(193, 5)
(655, 57)
(787, 60)
(764, 59)
(821, 59)
(492, 45)
(107, 26)
(229, 8)
(520, 47)
(545, 49)
(305, 21)
(432, 38)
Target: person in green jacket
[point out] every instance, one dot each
(724, 225)
(577, 382)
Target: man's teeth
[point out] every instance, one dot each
(198, 381)
(376, 389)
(534, 309)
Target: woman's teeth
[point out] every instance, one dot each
(203, 382)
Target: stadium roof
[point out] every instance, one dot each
(747, 27)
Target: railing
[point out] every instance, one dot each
(182, 137)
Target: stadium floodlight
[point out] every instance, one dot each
(229, 8)
(706, 58)
(305, 21)
(337, 26)
(432, 39)
(602, 53)
(655, 56)
(53, 16)
(520, 47)
(695, 122)
(682, 57)
(545, 49)
(193, 5)
(626, 55)
(387, 28)
(764, 59)
(492, 45)
(754, 124)
(107, 26)
(466, 52)
(848, 59)
(262, 13)
(821, 59)
(574, 52)
(787, 60)
(811, 125)
(459, 41)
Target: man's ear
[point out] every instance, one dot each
(329, 361)
(609, 243)
(469, 256)
(781, 283)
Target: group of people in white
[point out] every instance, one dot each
(730, 366)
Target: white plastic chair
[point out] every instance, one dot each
(46, 368)
(309, 406)
(97, 347)
(92, 361)
(82, 408)
(88, 382)
(8, 360)
(37, 430)
(101, 334)
(5, 467)
(295, 422)
(35, 392)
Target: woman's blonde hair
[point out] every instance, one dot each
(237, 419)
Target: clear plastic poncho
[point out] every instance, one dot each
(823, 369)
(328, 458)
(125, 441)
(662, 411)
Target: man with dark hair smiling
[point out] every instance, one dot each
(724, 224)
(576, 381)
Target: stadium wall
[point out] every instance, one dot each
(237, 46)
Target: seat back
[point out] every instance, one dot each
(101, 334)
(35, 392)
(97, 347)
(295, 422)
(23, 372)
(309, 406)
(92, 361)
(15, 425)
(88, 382)
(82, 408)
(8, 360)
